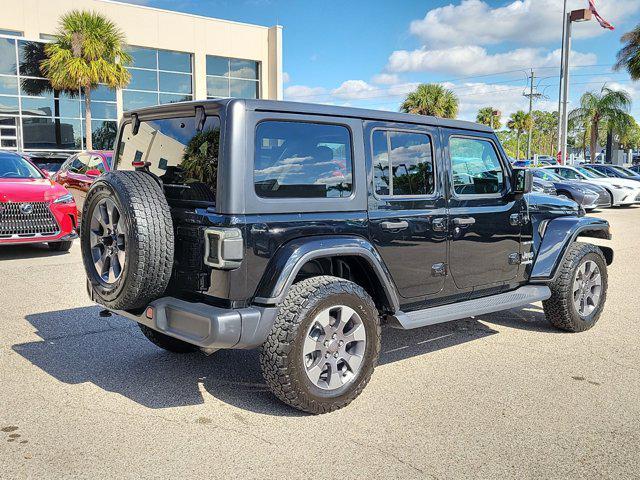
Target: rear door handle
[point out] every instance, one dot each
(464, 221)
(395, 225)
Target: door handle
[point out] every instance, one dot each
(395, 225)
(464, 221)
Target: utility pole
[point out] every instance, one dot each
(564, 25)
(530, 95)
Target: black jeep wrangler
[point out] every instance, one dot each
(301, 229)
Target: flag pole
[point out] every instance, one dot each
(560, 115)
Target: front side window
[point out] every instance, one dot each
(411, 159)
(475, 167)
(302, 160)
(186, 160)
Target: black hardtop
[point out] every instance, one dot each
(187, 108)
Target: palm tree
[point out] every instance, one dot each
(629, 55)
(431, 99)
(607, 107)
(489, 116)
(89, 49)
(519, 122)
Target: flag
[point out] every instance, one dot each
(603, 23)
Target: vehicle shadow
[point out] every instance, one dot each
(78, 346)
(32, 250)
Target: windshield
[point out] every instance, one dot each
(589, 173)
(14, 166)
(548, 176)
(624, 171)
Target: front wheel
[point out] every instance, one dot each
(324, 345)
(579, 291)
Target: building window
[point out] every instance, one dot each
(232, 77)
(11, 33)
(45, 118)
(158, 76)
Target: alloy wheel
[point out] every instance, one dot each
(107, 241)
(587, 288)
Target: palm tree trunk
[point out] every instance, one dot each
(88, 144)
(594, 140)
(518, 146)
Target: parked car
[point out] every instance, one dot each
(33, 208)
(342, 192)
(623, 192)
(547, 159)
(48, 162)
(635, 168)
(543, 186)
(80, 170)
(614, 171)
(588, 196)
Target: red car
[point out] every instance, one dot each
(79, 171)
(33, 208)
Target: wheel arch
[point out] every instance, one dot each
(327, 255)
(558, 235)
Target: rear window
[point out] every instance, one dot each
(302, 160)
(184, 159)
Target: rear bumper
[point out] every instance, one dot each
(206, 326)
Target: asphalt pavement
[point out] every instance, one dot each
(498, 396)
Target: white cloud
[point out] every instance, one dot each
(285, 77)
(475, 60)
(302, 92)
(354, 89)
(632, 89)
(475, 22)
(385, 79)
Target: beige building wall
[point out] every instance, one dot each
(156, 28)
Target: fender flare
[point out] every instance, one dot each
(558, 235)
(290, 258)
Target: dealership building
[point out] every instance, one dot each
(176, 57)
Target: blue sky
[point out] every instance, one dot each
(371, 53)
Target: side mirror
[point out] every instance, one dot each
(94, 172)
(521, 181)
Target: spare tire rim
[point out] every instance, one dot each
(107, 241)
(334, 347)
(587, 288)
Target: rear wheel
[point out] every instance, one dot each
(60, 246)
(579, 290)
(324, 345)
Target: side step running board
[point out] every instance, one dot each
(471, 308)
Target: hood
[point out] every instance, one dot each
(29, 190)
(539, 202)
(615, 181)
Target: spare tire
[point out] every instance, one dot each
(127, 240)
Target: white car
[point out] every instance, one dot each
(621, 190)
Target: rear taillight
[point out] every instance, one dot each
(223, 248)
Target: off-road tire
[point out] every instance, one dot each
(166, 342)
(60, 246)
(281, 354)
(149, 240)
(559, 309)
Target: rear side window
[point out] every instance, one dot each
(475, 167)
(410, 157)
(302, 160)
(184, 159)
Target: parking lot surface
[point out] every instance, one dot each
(501, 395)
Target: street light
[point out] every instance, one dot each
(582, 15)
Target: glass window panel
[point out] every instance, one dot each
(7, 143)
(184, 159)
(30, 55)
(13, 33)
(67, 108)
(9, 85)
(174, 61)
(217, 87)
(412, 164)
(171, 98)
(69, 95)
(103, 93)
(102, 110)
(9, 105)
(302, 160)
(48, 36)
(143, 57)
(135, 100)
(175, 82)
(104, 134)
(243, 88)
(38, 106)
(380, 162)
(475, 166)
(217, 66)
(243, 69)
(8, 56)
(143, 80)
(35, 87)
(45, 133)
